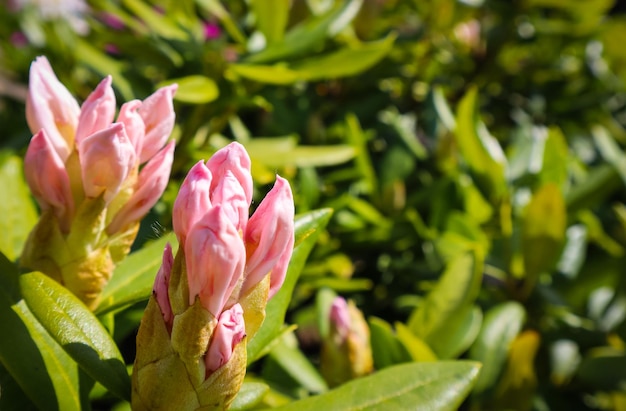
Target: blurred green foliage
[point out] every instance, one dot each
(472, 152)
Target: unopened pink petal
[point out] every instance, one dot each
(229, 332)
(269, 237)
(215, 257)
(158, 115)
(150, 185)
(230, 195)
(97, 112)
(48, 179)
(107, 158)
(161, 285)
(234, 159)
(50, 106)
(135, 128)
(193, 200)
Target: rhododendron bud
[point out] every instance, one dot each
(51, 107)
(158, 116)
(150, 185)
(269, 236)
(234, 159)
(346, 351)
(215, 257)
(106, 159)
(47, 177)
(97, 112)
(161, 284)
(89, 179)
(229, 332)
(193, 200)
(230, 195)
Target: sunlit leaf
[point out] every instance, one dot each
(194, 89)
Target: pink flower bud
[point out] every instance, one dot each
(97, 112)
(151, 183)
(193, 200)
(158, 115)
(107, 158)
(48, 179)
(135, 128)
(50, 106)
(231, 196)
(340, 318)
(229, 332)
(235, 159)
(161, 284)
(215, 257)
(269, 237)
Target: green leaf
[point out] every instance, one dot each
(77, 330)
(543, 232)
(287, 354)
(308, 228)
(275, 152)
(159, 23)
(308, 35)
(501, 326)
(343, 63)
(417, 348)
(436, 320)
(271, 18)
(480, 150)
(250, 394)
(604, 370)
(194, 89)
(387, 349)
(50, 378)
(133, 278)
(424, 386)
(17, 211)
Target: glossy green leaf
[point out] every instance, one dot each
(433, 386)
(250, 394)
(308, 35)
(194, 89)
(387, 349)
(133, 278)
(159, 23)
(271, 18)
(17, 211)
(543, 232)
(417, 348)
(287, 354)
(308, 228)
(479, 149)
(41, 368)
(435, 320)
(501, 326)
(77, 330)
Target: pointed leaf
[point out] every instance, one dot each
(424, 386)
(387, 349)
(194, 89)
(50, 377)
(250, 394)
(308, 228)
(77, 330)
(17, 211)
(271, 18)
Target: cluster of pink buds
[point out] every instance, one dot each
(210, 298)
(94, 176)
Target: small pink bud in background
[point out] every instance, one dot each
(193, 200)
(215, 257)
(229, 332)
(107, 158)
(97, 112)
(230, 195)
(50, 106)
(211, 31)
(135, 128)
(233, 158)
(161, 284)
(150, 185)
(269, 237)
(47, 177)
(157, 112)
(340, 318)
